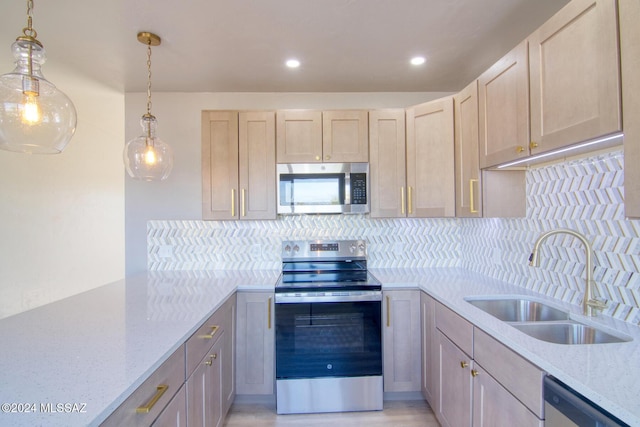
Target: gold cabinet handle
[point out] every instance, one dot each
(533, 145)
(402, 200)
(160, 390)
(463, 364)
(209, 362)
(233, 202)
(472, 205)
(474, 373)
(327, 157)
(214, 329)
(242, 203)
(410, 197)
(388, 311)
(318, 157)
(519, 149)
(269, 313)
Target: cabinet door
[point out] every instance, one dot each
(504, 109)
(257, 165)
(299, 136)
(219, 164)
(455, 385)
(401, 335)
(228, 356)
(175, 414)
(345, 136)
(429, 351)
(430, 160)
(494, 406)
(575, 75)
(387, 166)
(255, 343)
(467, 163)
(630, 62)
(204, 390)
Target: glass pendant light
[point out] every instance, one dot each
(147, 157)
(35, 117)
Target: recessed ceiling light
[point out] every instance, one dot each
(418, 60)
(292, 63)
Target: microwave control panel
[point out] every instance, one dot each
(358, 188)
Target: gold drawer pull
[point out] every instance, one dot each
(211, 357)
(410, 197)
(233, 202)
(402, 200)
(474, 373)
(463, 364)
(388, 311)
(160, 390)
(214, 329)
(519, 149)
(242, 202)
(472, 207)
(533, 145)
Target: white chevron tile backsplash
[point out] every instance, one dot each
(585, 195)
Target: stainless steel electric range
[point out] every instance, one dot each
(328, 329)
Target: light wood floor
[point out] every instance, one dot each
(412, 413)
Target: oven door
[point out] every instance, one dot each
(328, 339)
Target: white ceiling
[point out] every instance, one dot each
(241, 45)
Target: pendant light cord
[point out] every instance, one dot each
(149, 78)
(28, 31)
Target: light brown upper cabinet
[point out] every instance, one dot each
(630, 61)
(238, 165)
(467, 166)
(345, 136)
(387, 165)
(308, 136)
(430, 159)
(504, 109)
(575, 75)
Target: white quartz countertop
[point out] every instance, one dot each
(90, 351)
(607, 374)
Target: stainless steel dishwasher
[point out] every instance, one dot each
(564, 407)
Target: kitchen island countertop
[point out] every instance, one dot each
(95, 348)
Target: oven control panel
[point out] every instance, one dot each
(319, 249)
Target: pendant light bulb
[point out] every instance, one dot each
(35, 116)
(147, 157)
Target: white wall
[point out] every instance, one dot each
(62, 216)
(178, 114)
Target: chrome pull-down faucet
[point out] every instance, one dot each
(589, 304)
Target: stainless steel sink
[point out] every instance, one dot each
(542, 321)
(519, 310)
(568, 333)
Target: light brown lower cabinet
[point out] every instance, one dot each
(429, 350)
(480, 382)
(204, 390)
(494, 406)
(401, 341)
(175, 414)
(208, 359)
(144, 405)
(255, 344)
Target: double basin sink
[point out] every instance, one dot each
(542, 321)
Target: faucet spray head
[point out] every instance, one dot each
(534, 259)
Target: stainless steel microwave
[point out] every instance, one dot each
(323, 188)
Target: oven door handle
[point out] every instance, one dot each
(296, 298)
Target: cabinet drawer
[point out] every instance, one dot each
(153, 395)
(455, 328)
(202, 340)
(516, 374)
